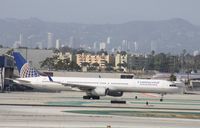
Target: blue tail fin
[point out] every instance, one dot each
(25, 70)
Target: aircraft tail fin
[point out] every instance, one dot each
(50, 79)
(24, 68)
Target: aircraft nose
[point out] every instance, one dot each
(179, 84)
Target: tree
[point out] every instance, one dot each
(60, 65)
(74, 66)
(161, 63)
(95, 65)
(56, 51)
(109, 67)
(172, 77)
(183, 59)
(152, 53)
(49, 63)
(85, 64)
(10, 51)
(150, 63)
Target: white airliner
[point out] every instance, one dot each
(94, 87)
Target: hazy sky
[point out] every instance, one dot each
(101, 11)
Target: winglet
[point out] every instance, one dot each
(50, 79)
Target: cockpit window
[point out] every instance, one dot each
(172, 85)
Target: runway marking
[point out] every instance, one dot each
(167, 103)
(76, 103)
(139, 99)
(95, 106)
(158, 114)
(79, 103)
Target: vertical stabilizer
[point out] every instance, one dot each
(24, 68)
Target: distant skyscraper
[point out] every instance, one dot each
(124, 46)
(18, 43)
(57, 44)
(102, 46)
(39, 45)
(74, 42)
(196, 52)
(108, 40)
(50, 40)
(95, 46)
(21, 39)
(135, 46)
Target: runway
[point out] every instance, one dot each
(68, 109)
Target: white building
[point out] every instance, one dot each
(18, 43)
(108, 40)
(196, 52)
(57, 44)
(124, 46)
(121, 58)
(135, 46)
(50, 40)
(102, 46)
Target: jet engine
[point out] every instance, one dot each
(99, 91)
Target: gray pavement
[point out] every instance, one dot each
(68, 109)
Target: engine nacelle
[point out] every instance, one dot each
(115, 93)
(99, 91)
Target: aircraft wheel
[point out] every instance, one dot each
(136, 97)
(95, 97)
(86, 97)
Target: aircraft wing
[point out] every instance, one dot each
(23, 82)
(79, 86)
(74, 85)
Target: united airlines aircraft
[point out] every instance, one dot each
(94, 87)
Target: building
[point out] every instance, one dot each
(122, 60)
(57, 44)
(108, 40)
(18, 43)
(49, 40)
(66, 55)
(6, 71)
(196, 52)
(74, 42)
(124, 45)
(135, 46)
(102, 46)
(100, 59)
(137, 61)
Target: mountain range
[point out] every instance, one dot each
(171, 35)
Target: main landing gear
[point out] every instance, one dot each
(91, 97)
(161, 99)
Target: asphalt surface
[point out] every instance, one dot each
(68, 109)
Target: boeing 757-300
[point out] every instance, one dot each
(94, 87)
